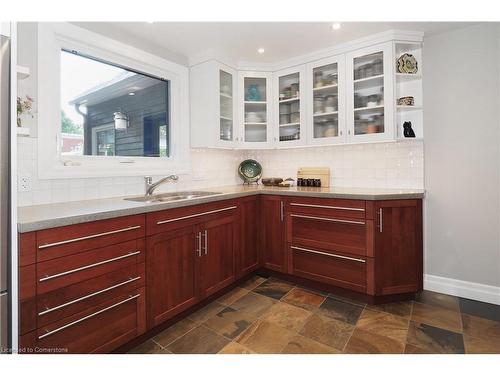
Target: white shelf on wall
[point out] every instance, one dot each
(409, 107)
(290, 124)
(325, 114)
(408, 77)
(289, 100)
(328, 87)
(256, 123)
(23, 132)
(23, 72)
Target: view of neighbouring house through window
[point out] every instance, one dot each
(107, 110)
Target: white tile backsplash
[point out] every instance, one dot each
(379, 165)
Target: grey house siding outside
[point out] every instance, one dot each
(146, 103)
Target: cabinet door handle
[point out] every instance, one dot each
(206, 241)
(48, 333)
(195, 215)
(198, 250)
(44, 246)
(328, 254)
(328, 219)
(282, 210)
(331, 207)
(380, 220)
(45, 278)
(48, 310)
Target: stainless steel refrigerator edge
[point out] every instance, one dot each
(4, 187)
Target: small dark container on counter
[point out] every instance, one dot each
(300, 182)
(310, 182)
(317, 182)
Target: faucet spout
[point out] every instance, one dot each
(151, 186)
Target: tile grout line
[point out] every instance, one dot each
(165, 347)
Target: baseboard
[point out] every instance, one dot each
(465, 289)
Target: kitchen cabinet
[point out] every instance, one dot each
(289, 107)
(398, 251)
(217, 239)
(82, 286)
(369, 94)
(172, 271)
(254, 103)
(190, 256)
(340, 96)
(248, 249)
(273, 246)
(369, 247)
(93, 287)
(213, 88)
(326, 101)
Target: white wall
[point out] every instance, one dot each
(462, 159)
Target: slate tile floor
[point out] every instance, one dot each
(274, 316)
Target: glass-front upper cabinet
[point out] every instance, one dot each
(290, 108)
(326, 101)
(226, 112)
(255, 114)
(370, 110)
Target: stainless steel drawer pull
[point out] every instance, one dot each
(329, 254)
(381, 220)
(206, 241)
(87, 317)
(198, 250)
(332, 207)
(195, 215)
(45, 278)
(89, 296)
(44, 246)
(328, 219)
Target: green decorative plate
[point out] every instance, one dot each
(250, 171)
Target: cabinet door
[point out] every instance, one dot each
(218, 242)
(255, 114)
(248, 249)
(289, 112)
(272, 218)
(171, 269)
(398, 247)
(226, 107)
(370, 107)
(326, 101)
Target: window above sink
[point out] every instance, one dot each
(119, 110)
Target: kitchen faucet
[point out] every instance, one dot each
(151, 187)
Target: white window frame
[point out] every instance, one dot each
(52, 38)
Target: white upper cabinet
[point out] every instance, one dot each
(370, 98)
(213, 105)
(255, 116)
(352, 94)
(289, 107)
(326, 101)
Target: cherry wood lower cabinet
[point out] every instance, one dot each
(369, 247)
(192, 259)
(90, 288)
(272, 237)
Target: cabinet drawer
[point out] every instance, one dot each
(351, 236)
(68, 240)
(63, 302)
(339, 270)
(99, 329)
(341, 208)
(176, 218)
(61, 272)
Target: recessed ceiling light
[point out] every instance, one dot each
(261, 50)
(131, 93)
(336, 26)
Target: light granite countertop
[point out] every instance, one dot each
(31, 218)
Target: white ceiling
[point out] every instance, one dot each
(239, 41)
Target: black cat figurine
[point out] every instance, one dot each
(408, 131)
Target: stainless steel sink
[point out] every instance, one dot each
(171, 197)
